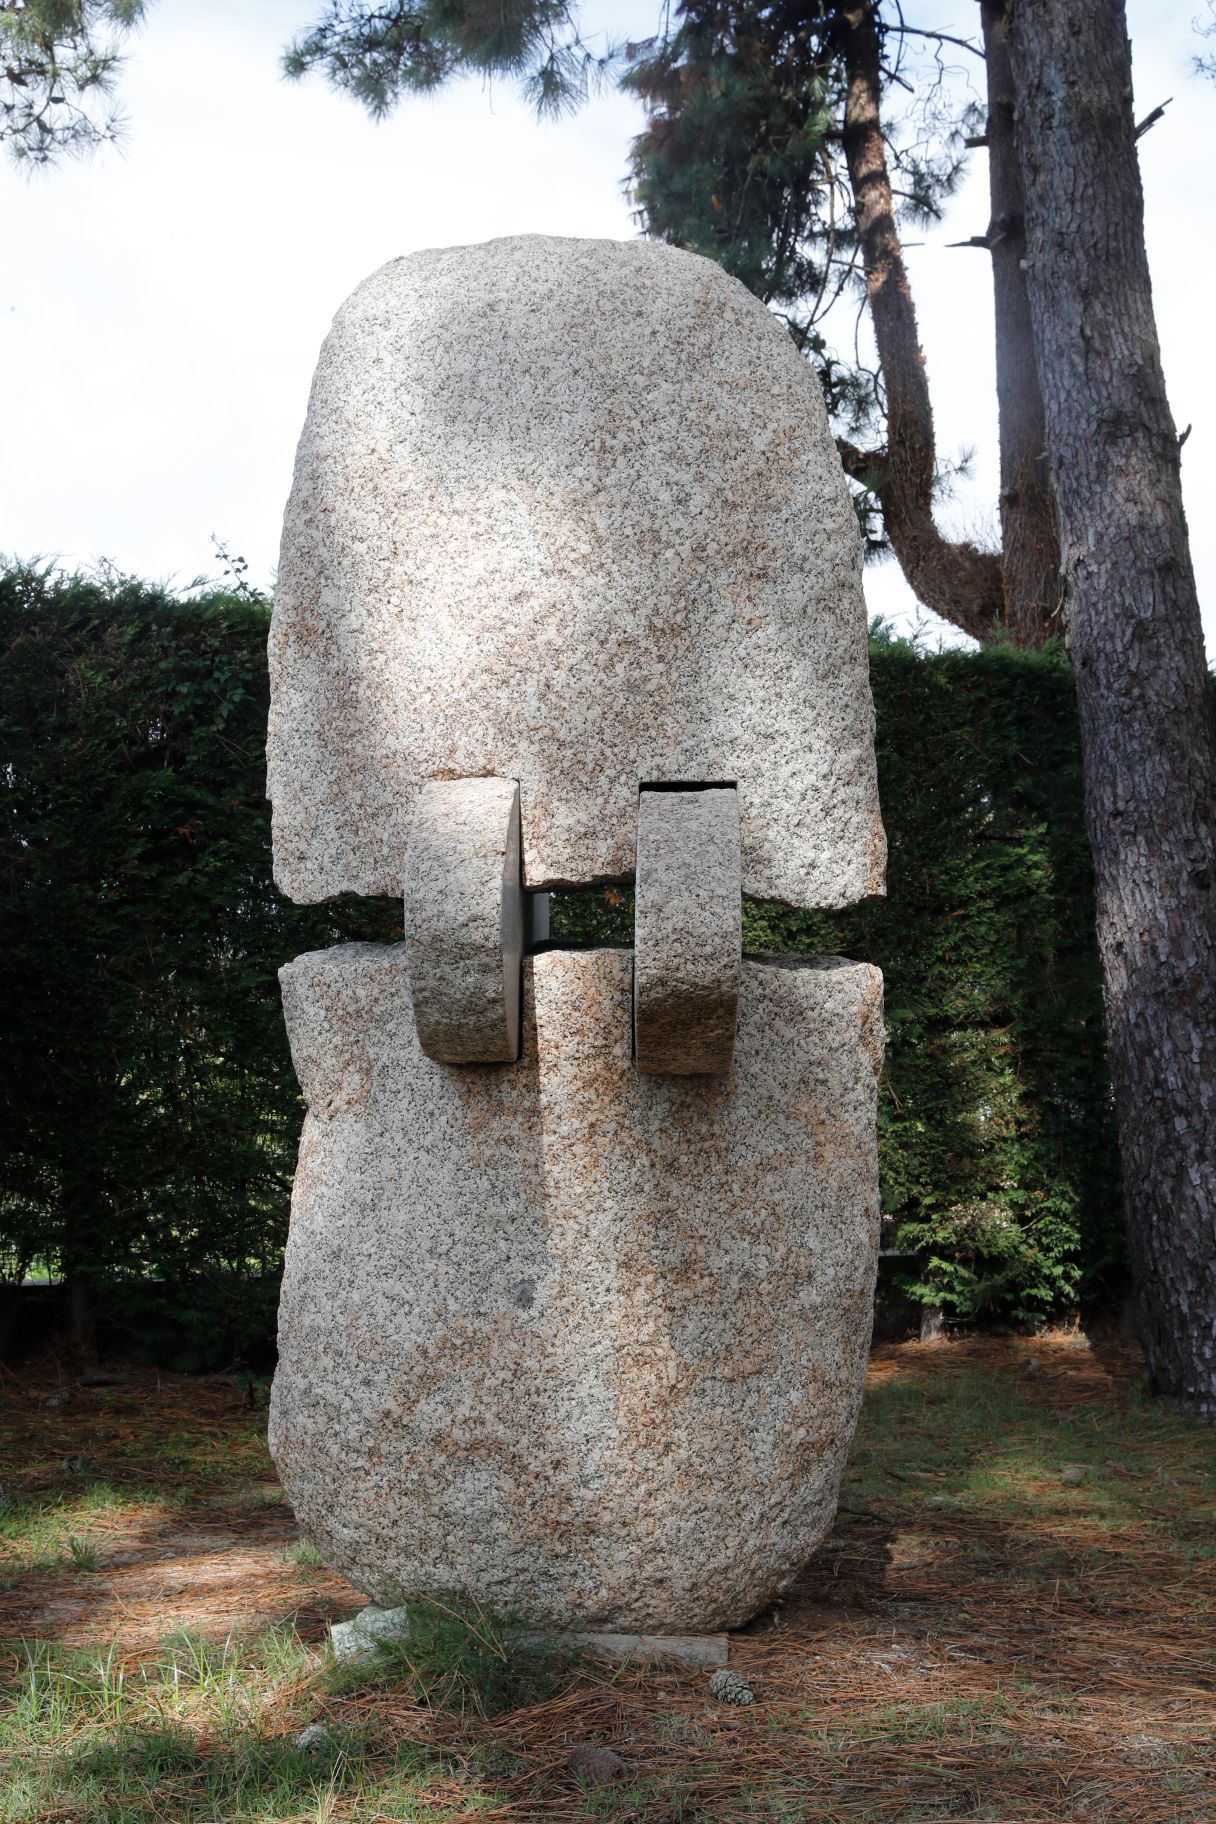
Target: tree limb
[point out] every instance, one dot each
(1150, 120)
(956, 580)
(860, 465)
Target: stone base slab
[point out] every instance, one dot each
(689, 1649)
(355, 1642)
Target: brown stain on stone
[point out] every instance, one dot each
(873, 1033)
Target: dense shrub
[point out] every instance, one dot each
(148, 1106)
(147, 1102)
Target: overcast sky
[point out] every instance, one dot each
(161, 307)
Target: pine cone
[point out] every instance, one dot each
(729, 1688)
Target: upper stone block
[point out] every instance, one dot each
(569, 512)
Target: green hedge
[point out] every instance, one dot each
(147, 1103)
(148, 1106)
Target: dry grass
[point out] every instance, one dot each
(983, 1636)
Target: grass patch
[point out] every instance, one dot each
(304, 1553)
(206, 1731)
(39, 1533)
(461, 1659)
(82, 1553)
(970, 1444)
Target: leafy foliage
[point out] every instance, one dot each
(58, 64)
(1206, 65)
(740, 161)
(146, 1097)
(735, 162)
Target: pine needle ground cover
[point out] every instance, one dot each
(1013, 1620)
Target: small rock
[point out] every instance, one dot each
(1147, 1750)
(312, 1739)
(729, 1688)
(354, 1642)
(383, 1624)
(592, 1763)
(57, 1399)
(350, 1646)
(1072, 1475)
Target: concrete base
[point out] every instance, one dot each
(689, 1649)
(356, 1641)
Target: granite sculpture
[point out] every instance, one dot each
(579, 1281)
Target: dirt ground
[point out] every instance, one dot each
(1012, 1618)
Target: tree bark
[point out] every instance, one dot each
(1132, 625)
(956, 580)
(1029, 537)
(82, 1333)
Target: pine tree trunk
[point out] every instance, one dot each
(956, 580)
(82, 1333)
(1029, 539)
(1133, 629)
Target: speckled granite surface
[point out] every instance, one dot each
(464, 919)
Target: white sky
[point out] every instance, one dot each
(161, 307)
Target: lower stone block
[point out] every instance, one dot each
(585, 1342)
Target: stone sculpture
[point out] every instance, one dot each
(579, 1280)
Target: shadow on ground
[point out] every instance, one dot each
(1012, 1620)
